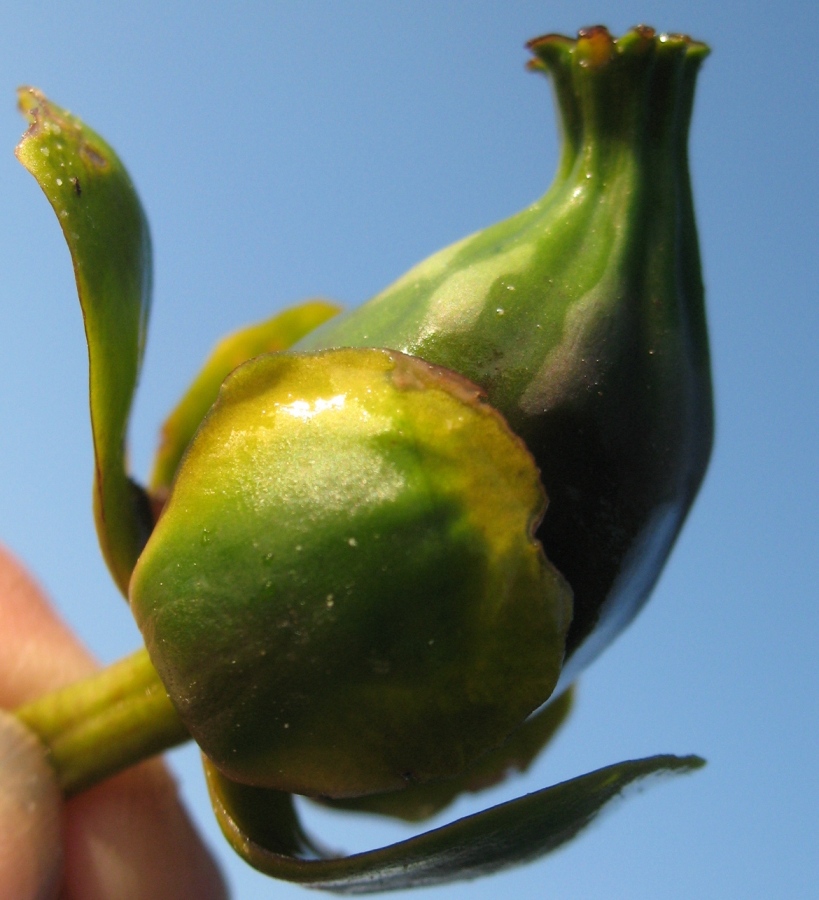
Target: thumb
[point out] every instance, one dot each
(30, 816)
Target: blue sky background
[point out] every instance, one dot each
(285, 150)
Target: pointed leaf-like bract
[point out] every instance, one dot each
(263, 828)
(107, 235)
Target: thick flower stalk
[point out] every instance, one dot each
(350, 580)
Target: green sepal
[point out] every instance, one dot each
(263, 828)
(422, 801)
(343, 595)
(107, 235)
(278, 333)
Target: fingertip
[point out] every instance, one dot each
(154, 851)
(30, 816)
(128, 838)
(38, 652)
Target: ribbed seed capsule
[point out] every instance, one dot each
(582, 317)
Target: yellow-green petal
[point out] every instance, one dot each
(277, 333)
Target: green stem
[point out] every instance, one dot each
(105, 723)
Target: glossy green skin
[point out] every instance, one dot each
(582, 318)
(335, 600)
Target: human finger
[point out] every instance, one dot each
(129, 837)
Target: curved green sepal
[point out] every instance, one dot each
(262, 828)
(107, 235)
(278, 333)
(422, 801)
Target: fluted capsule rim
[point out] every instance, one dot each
(595, 47)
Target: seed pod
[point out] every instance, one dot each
(343, 594)
(582, 318)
